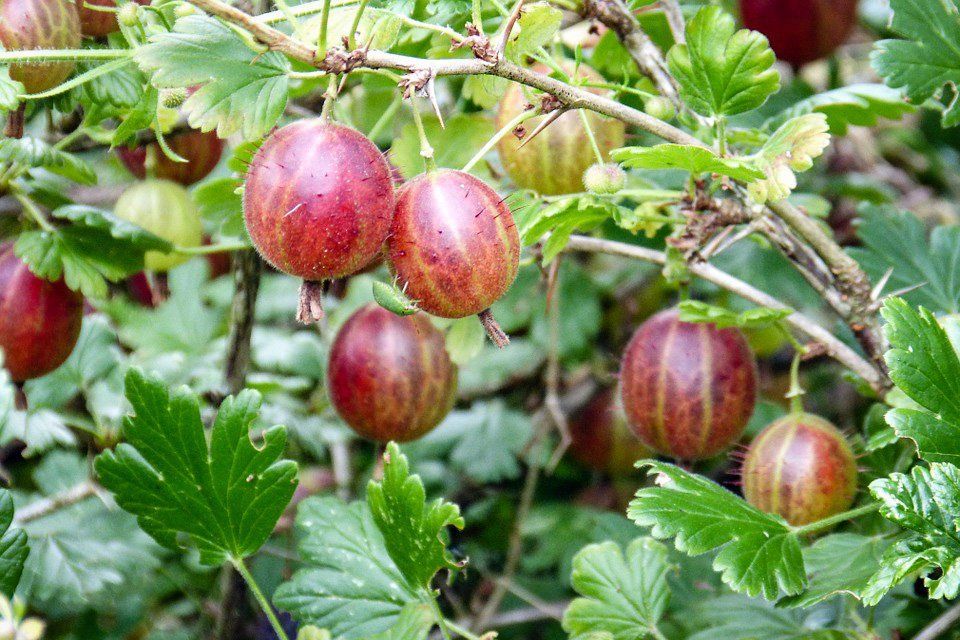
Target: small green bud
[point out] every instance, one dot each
(128, 14)
(392, 299)
(660, 108)
(173, 97)
(604, 178)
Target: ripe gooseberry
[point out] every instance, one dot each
(39, 24)
(802, 468)
(554, 161)
(96, 24)
(39, 319)
(801, 31)
(454, 246)
(688, 389)
(601, 438)
(165, 209)
(318, 202)
(201, 150)
(390, 377)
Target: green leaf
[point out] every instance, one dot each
(789, 150)
(924, 502)
(218, 202)
(141, 117)
(226, 497)
(464, 339)
(562, 217)
(841, 563)
(9, 90)
(624, 593)
(860, 105)
(415, 533)
(95, 246)
(929, 56)
(757, 318)
(453, 145)
(348, 583)
(414, 623)
(536, 27)
(733, 617)
(758, 552)
(240, 89)
(897, 240)
(33, 153)
(924, 365)
(723, 71)
(690, 158)
(13, 547)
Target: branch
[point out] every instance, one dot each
(66, 498)
(940, 624)
(615, 15)
(834, 347)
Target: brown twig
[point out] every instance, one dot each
(941, 624)
(50, 504)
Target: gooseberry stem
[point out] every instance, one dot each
(261, 599)
(826, 523)
(592, 138)
(498, 136)
(426, 150)
(48, 55)
(322, 37)
(460, 631)
(212, 248)
(357, 15)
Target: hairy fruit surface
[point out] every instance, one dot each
(201, 151)
(553, 162)
(39, 24)
(801, 31)
(318, 200)
(390, 376)
(688, 389)
(802, 468)
(39, 319)
(454, 245)
(165, 209)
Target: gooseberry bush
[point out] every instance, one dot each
(586, 319)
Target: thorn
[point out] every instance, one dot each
(875, 293)
(546, 122)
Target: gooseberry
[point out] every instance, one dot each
(554, 161)
(390, 377)
(454, 245)
(318, 203)
(688, 389)
(801, 31)
(39, 319)
(201, 150)
(39, 24)
(96, 24)
(802, 468)
(601, 438)
(165, 209)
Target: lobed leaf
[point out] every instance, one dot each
(225, 497)
(757, 553)
(690, 158)
(13, 547)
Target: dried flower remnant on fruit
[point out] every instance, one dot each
(390, 377)
(688, 389)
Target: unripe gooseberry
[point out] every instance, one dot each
(39, 24)
(688, 389)
(553, 162)
(607, 178)
(390, 377)
(39, 319)
(802, 468)
(601, 438)
(801, 31)
(128, 14)
(318, 203)
(201, 150)
(453, 244)
(660, 108)
(165, 209)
